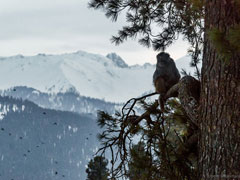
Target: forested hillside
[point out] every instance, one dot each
(38, 143)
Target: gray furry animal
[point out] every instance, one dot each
(165, 76)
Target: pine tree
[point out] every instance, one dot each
(97, 169)
(212, 28)
(141, 164)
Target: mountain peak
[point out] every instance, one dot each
(117, 60)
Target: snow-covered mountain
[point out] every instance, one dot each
(117, 60)
(90, 75)
(68, 101)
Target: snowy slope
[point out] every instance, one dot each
(88, 74)
(43, 144)
(184, 63)
(68, 101)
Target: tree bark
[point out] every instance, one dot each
(219, 121)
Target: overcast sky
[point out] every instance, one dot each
(30, 27)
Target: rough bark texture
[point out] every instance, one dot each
(220, 99)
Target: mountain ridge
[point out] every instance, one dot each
(38, 143)
(68, 101)
(91, 75)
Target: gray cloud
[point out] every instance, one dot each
(55, 22)
(29, 27)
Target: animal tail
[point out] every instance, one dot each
(161, 102)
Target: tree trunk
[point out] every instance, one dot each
(219, 156)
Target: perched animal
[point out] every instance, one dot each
(165, 76)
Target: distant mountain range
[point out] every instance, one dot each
(90, 75)
(68, 101)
